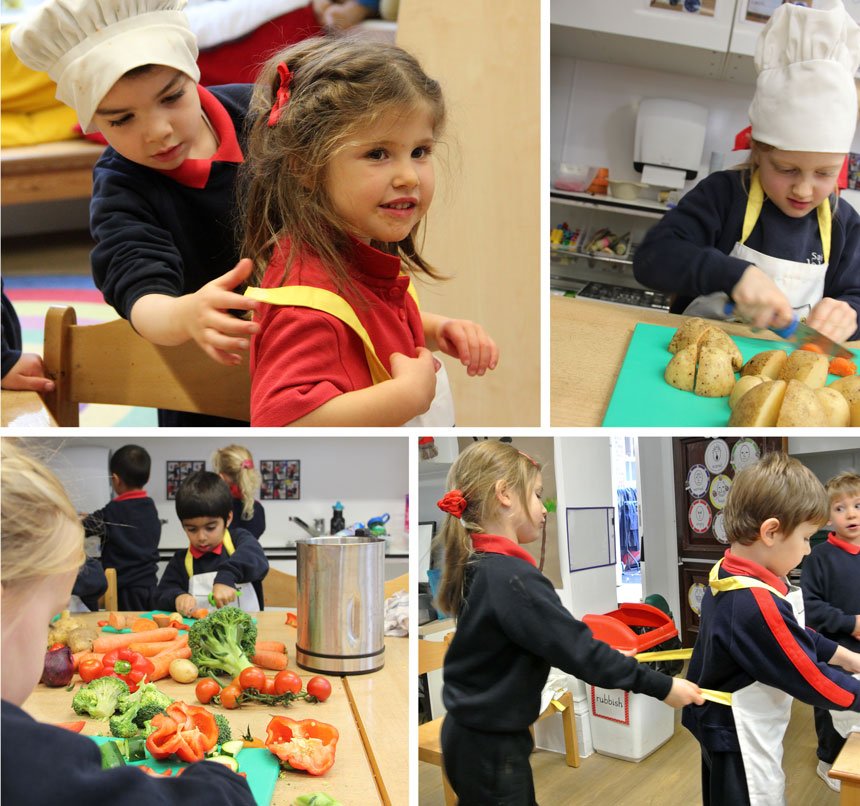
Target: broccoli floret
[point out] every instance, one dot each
(224, 732)
(223, 642)
(147, 712)
(124, 725)
(100, 698)
(146, 702)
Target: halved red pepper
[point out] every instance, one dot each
(291, 620)
(127, 665)
(186, 730)
(304, 744)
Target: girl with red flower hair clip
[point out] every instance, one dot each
(511, 628)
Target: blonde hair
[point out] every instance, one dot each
(476, 472)
(41, 533)
(339, 85)
(777, 486)
(844, 485)
(229, 461)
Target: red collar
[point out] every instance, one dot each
(738, 565)
(851, 548)
(131, 494)
(235, 491)
(194, 173)
(495, 544)
(197, 554)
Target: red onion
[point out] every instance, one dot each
(59, 667)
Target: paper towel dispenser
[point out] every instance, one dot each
(669, 139)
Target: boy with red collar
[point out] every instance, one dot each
(129, 529)
(752, 641)
(162, 210)
(832, 596)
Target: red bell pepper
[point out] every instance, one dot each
(304, 744)
(127, 665)
(75, 727)
(291, 620)
(186, 730)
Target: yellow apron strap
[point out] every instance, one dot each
(668, 654)
(753, 210)
(722, 697)
(319, 299)
(736, 583)
(189, 560)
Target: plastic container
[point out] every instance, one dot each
(575, 178)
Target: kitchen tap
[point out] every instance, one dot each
(309, 529)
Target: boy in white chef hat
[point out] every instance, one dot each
(163, 192)
(770, 237)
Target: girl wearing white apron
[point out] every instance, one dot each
(200, 585)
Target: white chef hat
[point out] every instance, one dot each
(805, 97)
(86, 46)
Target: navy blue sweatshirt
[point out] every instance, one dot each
(830, 581)
(256, 524)
(687, 251)
(11, 328)
(248, 563)
(511, 629)
(130, 530)
(43, 765)
(90, 583)
(752, 635)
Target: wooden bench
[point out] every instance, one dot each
(48, 171)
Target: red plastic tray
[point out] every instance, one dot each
(614, 628)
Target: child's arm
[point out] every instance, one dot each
(201, 316)
(463, 339)
(173, 583)
(848, 660)
(759, 301)
(248, 563)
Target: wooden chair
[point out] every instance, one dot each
(279, 589)
(110, 601)
(571, 743)
(431, 655)
(400, 583)
(110, 363)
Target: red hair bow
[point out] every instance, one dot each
(453, 503)
(283, 94)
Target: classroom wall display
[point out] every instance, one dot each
(177, 471)
(590, 537)
(703, 7)
(281, 479)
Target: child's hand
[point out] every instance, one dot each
(417, 376)
(28, 374)
(759, 301)
(684, 692)
(463, 339)
(185, 603)
(856, 633)
(834, 318)
(850, 661)
(223, 594)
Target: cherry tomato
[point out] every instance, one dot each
(320, 688)
(90, 669)
(55, 646)
(230, 695)
(252, 677)
(287, 681)
(206, 689)
(268, 686)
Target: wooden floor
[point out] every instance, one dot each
(53, 253)
(668, 777)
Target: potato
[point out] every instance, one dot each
(81, 639)
(681, 369)
(742, 386)
(849, 387)
(800, 408)
(714, 337)
(806, 366)
(768, 363)
(715, 377)
(855, 414)
(835, 407)
(688, 333)
(759, 406)
(182, 670)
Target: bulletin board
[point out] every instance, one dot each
(177, 471)
(281, 479)
(590, 537)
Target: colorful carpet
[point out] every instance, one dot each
(33, 295)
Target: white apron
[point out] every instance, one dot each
(441, 411)
(200, 585)
(802, 283)
(761, 712)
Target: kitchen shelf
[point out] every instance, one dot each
(641, 207)
(602, 257)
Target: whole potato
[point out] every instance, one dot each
(182, 670)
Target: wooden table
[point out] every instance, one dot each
(369, 711)
(24, 410)
(846, 768)
(589, 340)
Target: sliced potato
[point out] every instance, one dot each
(688, 333)
(806, 366)
(759, 407)
(768, 363)
(715, 376)
(742, 386)
(681, 369)
(835, 407)
(849, 387)
(800, 408)
(715, 337)
(855, 414)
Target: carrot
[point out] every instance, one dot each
(812, 347)
(269, 660)
(162, 661)
(843, 366)
(107, 642)
(116, 620)
(143, 625)
(201, 612)
(148, 649)
(271, 646)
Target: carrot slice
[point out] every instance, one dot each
(116, 620)
(843, 367)
(143, 625)
(812, 347)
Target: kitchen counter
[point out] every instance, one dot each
(21, 409)
(588, 343)
(370, 712)
(846, 769)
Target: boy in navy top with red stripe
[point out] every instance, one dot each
(752, 642)
(129, 529)
(831, 593)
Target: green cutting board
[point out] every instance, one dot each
(642, 398)
(260, 765)
(149, 615)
